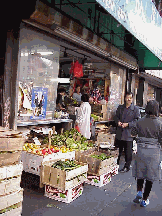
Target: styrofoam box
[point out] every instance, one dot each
(32, 162)
(11, 170)
(99, 181)
(63, 196)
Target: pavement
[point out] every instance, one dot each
(113, 199)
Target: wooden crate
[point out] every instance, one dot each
(11, 199)
(61, 179)
(99, 180)
(96, 166)
(8, 158)
(64, 196)
(82, 152)
(11, 144)
(106, 138)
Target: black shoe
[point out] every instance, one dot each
(124, 169)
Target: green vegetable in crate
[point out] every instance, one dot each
(95, 117)
(66, 165)
(101, 156)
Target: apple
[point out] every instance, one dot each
(52, 149)
(49, 151)
(44, 151)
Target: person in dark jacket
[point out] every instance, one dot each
(148, 132)
(125, 118)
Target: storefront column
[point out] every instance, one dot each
(145, 98)
(10, 78)
(133, 88)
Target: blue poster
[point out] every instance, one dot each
(39, 102)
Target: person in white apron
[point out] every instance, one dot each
(83, 117)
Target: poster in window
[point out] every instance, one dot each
(39, 102)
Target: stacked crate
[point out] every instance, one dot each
(11, 194)
(99, 172)
(62, 185)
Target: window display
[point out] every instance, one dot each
(37, 75)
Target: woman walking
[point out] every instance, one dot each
(148, 132)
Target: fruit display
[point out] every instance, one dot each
(35, 149)
(102, 156)
(66, 165)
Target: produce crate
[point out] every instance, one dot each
(32, 162)
(99, 180)
(66, 196)
(11, 199)
(61, 179)
(114, 170)
(105, 138)
(82, 152)
(14, 212)
(10, 171)
(8, 186)
(96, 166)
(8, 158)
(11, 144)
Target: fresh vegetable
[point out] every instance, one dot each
(101, 156)
(66, 165)
(95, 117)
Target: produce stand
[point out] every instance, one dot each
(11, 194)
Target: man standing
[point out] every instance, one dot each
(126, 116)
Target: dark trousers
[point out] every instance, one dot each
(147, 189)
(127, 145)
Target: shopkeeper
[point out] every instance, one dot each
(83, 117)
(60, 102)
(77, 95)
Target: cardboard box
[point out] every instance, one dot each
(32, 162)
(99, 180)
(66, 196)
(61, 179)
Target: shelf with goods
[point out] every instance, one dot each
(11, 194)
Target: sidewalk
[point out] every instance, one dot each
(111, 200)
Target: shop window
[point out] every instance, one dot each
(37, 77)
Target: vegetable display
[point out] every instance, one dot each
(101, 156)
(66, 165)
(72, 139)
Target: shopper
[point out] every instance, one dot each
(77, 95)
(60, 105)
(83, 117)
(126, 116)
(147, 161)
